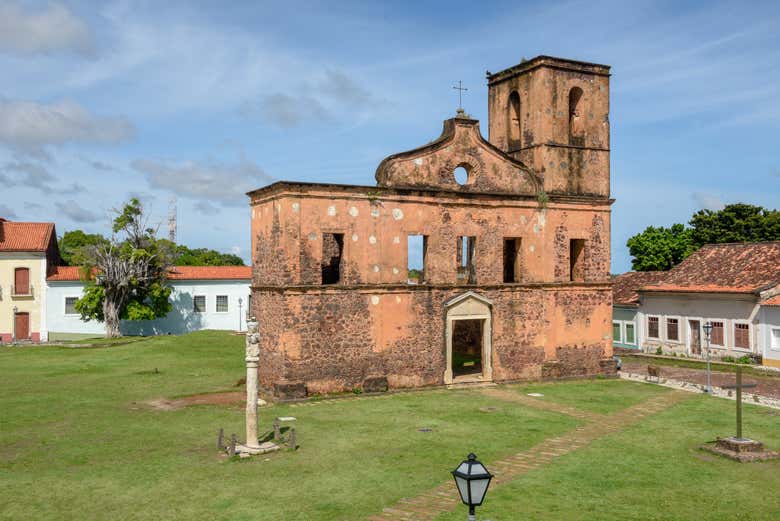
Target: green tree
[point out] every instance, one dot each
(203, 256)
(73, 246)
(658, 249)
(130, 275)
(663, 248)
(735, 223)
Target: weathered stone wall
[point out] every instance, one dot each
(288, 231)
(579, 166)
(547, 185)
(333, 340)
(460, 145)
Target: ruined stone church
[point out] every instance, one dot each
(510, 279)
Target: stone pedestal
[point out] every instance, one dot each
(741, 449)
(252, 445)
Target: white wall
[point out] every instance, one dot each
(181, 319)
(726, 308)
(770, 319)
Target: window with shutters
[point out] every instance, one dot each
(21, 281)
(716, 336)
(630, 337)
(617, 332)
(742, 336)
(652, 328)
(673, 329)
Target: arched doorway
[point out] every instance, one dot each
(468, 333)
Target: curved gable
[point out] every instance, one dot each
(460, 145)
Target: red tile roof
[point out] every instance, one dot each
(72, 273)
(725, 268)
(27, 237)
(211, 273)
(772, 301)
(625, 286)
(65, 273)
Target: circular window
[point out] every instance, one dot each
(461, 175)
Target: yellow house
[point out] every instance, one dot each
(28, 253)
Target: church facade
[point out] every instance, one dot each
(429, 278)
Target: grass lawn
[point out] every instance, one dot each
(78, 441)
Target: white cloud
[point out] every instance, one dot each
(29, 126)
(6, 212)
(205, 208)
(27, 173)
(209, 180)
(76, 212)
(53, 29)
(708, 201)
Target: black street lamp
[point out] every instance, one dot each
(707, 331)
(472, 479)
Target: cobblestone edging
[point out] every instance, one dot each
(430, 504)
(680, 385)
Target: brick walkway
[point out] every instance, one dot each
(443, 498)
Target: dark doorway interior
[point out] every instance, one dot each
(332, 250)
(467, 347)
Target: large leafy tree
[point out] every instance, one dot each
(735, 223)
(74, 245)
(128, 273)
(663, 248)
(658, 249)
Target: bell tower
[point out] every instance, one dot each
(553, 115)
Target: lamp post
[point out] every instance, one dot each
(239, 314)
(13, 337)
(707, 330)
(472, 480)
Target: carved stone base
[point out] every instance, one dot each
(741, 449)
(264, 448)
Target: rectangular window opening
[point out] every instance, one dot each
(199, 303)
(716, 336)
(416, 253)
(776, 338)
(513, 266)
(222, 304)
(672, 329)
(630, 338)
(577, 260)
(742, 336)
(652, 327)
(70, 305)
(465, 258)
(332, 250)
(616, 332)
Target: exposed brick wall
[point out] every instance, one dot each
(334, 340)
(537, 185)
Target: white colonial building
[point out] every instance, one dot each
(203, 297)
(733, 287)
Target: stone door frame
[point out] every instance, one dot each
(469, 306)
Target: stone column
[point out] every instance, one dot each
(252, 359)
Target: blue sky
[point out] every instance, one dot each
(103, 100)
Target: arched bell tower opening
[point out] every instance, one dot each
(515, 122)
(576, 118)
